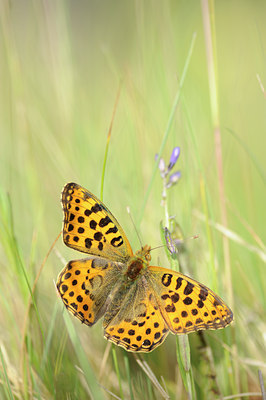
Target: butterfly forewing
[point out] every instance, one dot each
(90, 227)
(186, 304)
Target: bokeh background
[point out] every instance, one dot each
(62, 65)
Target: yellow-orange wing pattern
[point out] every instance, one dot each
(90, 227)
(163, 301)
(134, 320)
(185, 304)
(84, 286)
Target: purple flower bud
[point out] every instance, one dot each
(174, 157)
(169, 241)
(173, 179)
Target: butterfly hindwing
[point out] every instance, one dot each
(84, 286)
(134, 320)
(90, 227)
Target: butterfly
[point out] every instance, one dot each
(140, 304)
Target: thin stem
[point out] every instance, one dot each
(167, 130)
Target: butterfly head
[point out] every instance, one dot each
(144, 253)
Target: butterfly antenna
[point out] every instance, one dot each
(133, 223)
(158, 247)
(179, 242)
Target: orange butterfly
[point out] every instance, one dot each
(140, 303)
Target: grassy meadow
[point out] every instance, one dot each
(161, 74)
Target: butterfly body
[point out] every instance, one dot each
(138, 263)
(140, 304)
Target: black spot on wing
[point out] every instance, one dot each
(166, 279)
(104, 221)
(96, 208)
(112, 230)
(178, 283)
(188, 289)
(117, 241)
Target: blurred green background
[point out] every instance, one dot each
(62, 64)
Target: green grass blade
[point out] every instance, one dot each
(96, 392)
(6, 383)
